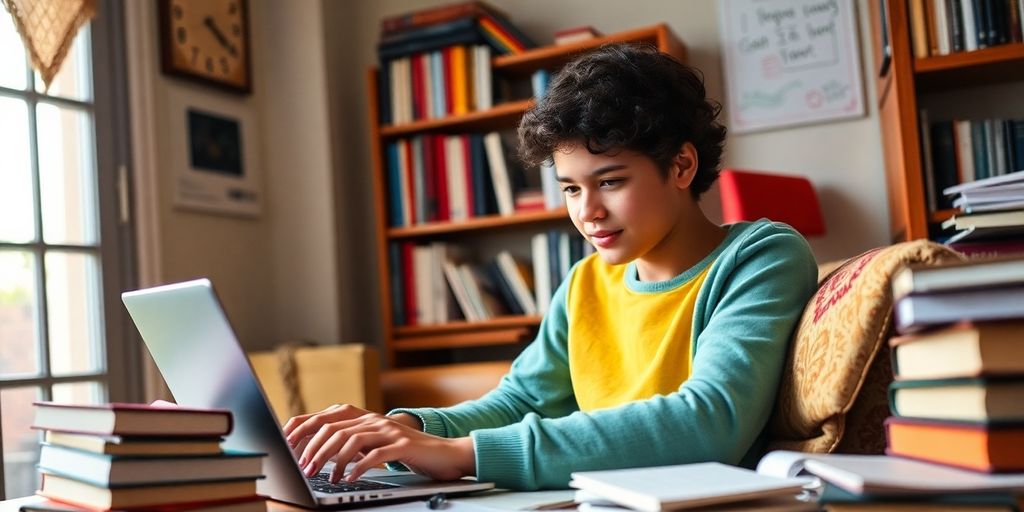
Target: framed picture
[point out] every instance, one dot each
(213, 146)
(790, 62)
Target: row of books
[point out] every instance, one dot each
(961, 151)
(990, 210)
(143, 457)
(452, 80)
(959, 370)
(941, 27)
(440, 177)
(437, 283)
(437, 62)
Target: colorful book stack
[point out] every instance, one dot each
(959, 366)
(989, 210)
(436, 62)
(143, 457)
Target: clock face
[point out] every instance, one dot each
(207, 39)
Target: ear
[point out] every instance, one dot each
(684, 166)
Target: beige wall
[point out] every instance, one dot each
(307, 267)
(275, 273)
(843, 159)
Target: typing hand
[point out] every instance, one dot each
(350, 434)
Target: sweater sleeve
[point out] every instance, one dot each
(537, 383)
(717, 414)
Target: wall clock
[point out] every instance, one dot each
(207, 41)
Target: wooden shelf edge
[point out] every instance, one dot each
(527, 61)
(476, 223)
(504, 322)
(464, 121)
(992, 55)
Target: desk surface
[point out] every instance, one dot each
(495, 500)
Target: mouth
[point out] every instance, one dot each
(604, 238)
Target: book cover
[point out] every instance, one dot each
(121, 445)
(987, 399)
(966, 349)
(977, 446)
(882, 475)
(914, 313)
(130, 419)
(967, 274)
(254, 503)
(128, 470)
(147, 497)
(683, 486)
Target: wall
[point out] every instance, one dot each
(843, 159)
(276, 273)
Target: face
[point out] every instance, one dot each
(622, 203)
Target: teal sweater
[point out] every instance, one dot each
(529, 433)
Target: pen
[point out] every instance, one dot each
(437, 501)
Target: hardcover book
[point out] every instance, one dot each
(988, 400)
(975, 446)
(129, 419)
(966, 349)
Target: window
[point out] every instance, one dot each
(62, 240)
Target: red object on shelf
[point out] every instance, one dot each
(748, 195)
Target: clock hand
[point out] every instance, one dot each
(210, 24)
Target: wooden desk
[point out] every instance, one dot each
(494, 500)
(14, 504)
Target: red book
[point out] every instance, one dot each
(419, 100)
(447, 81)
(255, 503)
(129, 419)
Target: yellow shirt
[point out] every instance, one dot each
(627, 345)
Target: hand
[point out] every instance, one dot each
(350, 434)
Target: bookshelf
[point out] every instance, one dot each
(411, 345)
(903, 82)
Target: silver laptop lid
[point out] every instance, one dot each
(195, 348)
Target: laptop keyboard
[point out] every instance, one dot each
(322, 483)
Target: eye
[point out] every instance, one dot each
(570, 190)
(609, 183)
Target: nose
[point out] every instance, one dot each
(590, 207)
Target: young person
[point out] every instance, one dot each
(665, 347)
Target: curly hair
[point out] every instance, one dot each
(627, 96)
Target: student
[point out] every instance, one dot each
(665, 347)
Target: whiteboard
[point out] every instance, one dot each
(790, 62)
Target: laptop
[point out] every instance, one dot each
(198, 354)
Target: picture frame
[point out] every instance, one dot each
(213, 144)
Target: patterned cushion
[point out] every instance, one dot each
(836, 376)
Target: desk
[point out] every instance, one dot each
(493, 500)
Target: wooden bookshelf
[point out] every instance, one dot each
(1004, 63)
(409, 340)
(900, 90)
(478, 223)
(501, 116)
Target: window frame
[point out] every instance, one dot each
(121, 371)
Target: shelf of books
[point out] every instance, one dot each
(937, 133)
(471, 245)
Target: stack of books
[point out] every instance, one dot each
(137, 456)
(990, 209)
(436, 62)
(959, 370)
